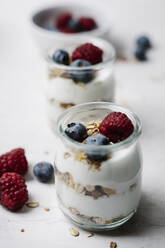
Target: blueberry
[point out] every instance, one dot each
(76, 131)
(75, 25)
(43, 171)
(84, 76)
(61, 57)
(97, 139)
(144, 42)
(140, 54)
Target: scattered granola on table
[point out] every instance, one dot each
(90, 234)
(47, 209)
(113, 245)
(73, 232)
(32, 204)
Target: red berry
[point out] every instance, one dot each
(63, 19)
(13, 191)
(14, 161)
(89, 52)
(87, 23)
(116, 126)
(67, 30)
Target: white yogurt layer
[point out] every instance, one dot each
(122, 173)
(64, 91)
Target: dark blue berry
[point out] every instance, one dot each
(75, 25)
(61, 57)
(43, 171)
(76, 131)
(140, 54)
(144, 42)
(97, 139)
(84, 75)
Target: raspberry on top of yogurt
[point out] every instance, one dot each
(89, 52)
(114, 128)
(87, 23)
(66, 23)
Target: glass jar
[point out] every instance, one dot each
(67, 86)
(97, 195)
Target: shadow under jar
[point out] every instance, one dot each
(97, 195)
(68, 86)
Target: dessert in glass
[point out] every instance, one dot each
(98, 165)
(79, 73)
(62, 23)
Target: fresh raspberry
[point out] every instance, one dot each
(116, 126)
(89, 52)
(63, 19)
(13, 191)
(87, 23)
(67, 30)
(14, 161)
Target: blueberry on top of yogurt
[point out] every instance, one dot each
(76, 131)
(84, 76)
(75, 25)
(61, 57)
(97, 139)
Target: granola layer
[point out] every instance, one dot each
(94, 219)
(94, 191)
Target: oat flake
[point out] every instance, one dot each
(73, 232)
(32, 204)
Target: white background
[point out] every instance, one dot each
(141, 86)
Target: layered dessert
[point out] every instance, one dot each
(98, 169)
(78, 74)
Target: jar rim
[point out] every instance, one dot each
(85, 39)
(102, 105)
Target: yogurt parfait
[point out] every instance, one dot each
(98, 165)
(78, 74)
(63, 23)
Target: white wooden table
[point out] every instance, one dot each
(141, 86)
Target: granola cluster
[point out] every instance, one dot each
(93, 127)
(93, 164)
(95, 191)
(57, 72)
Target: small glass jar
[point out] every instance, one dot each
(67, 86)
(97, 195)
(47, 36)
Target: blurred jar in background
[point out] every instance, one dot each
(67, 86)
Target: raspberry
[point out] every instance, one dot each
(13, 191)
(63, 20)
(89, 52)
(116, 126)
(87, 23)
(67, 30)
(14, 161)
